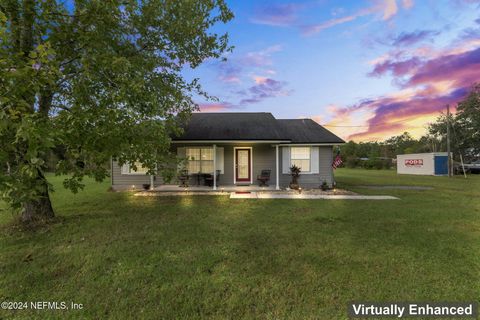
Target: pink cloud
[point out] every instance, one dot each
(428, 85)
(215, 106)
(260, 58)
(462, 68)
(397, 68)
(316, 28)
(407, 4)
(386, 9)
(263, 89)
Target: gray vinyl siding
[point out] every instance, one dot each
(263, 158)
(127, 180)
(313, 180)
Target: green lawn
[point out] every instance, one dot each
(211, 257)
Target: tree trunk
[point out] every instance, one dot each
(40, 209)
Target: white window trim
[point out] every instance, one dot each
(129, 172)
(309, 159)
(235, 160)
(199, 147)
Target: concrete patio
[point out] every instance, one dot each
(226, 188)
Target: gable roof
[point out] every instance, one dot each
(241, 126)
(307, 131)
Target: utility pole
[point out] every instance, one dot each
(449, 159)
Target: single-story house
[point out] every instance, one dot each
(238, 146)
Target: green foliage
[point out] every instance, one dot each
(99, 80)
(376, 164)
(465, 126)
(295, 173)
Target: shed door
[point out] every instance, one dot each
(441, 165)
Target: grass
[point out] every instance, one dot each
(211, 257)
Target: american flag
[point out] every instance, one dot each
(338, 161)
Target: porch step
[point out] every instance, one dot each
(243, 195)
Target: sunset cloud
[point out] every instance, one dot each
(288, 14)
(280, 15)
(261, 58)
(263, 89)
(215, 106)
(236, 68)
(428, 85)
(383, 9)
(410, 38)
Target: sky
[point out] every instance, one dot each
(366, 70)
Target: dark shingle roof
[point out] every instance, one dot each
(232, 126)
(254, 126)
(307, 131)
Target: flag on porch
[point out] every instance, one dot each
(337, 161)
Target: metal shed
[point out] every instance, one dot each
(434, 163)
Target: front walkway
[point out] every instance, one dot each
(268, 195)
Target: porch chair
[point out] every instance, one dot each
(263, 178)
(183, 177)
(209, 179)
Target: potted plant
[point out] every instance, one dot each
(295, 173)
(146, 186)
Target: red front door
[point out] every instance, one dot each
(242, 165)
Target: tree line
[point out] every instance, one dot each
(465, 138)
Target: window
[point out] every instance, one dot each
(127, 169)
(199, 160)
(300, 156)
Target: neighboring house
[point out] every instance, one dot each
(241, 145)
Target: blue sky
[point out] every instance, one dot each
(364, 69)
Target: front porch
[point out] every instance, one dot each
(221, 188)
(228, 166)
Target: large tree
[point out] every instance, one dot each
(96, 79)
(464, 125)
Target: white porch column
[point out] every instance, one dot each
(277, 178)
(214, 167)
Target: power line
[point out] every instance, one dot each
(377, 125)
(369, 126)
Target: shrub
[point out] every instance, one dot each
(295, 173)
(352, 162)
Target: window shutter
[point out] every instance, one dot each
(285, 160)
(314, 160)
(219, 160)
